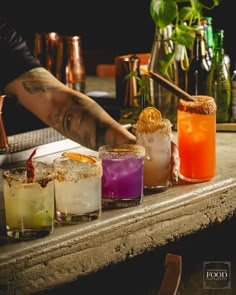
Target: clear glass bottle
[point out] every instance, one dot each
(199, 66)
(233, 97)
(160, 97)
(219, 81)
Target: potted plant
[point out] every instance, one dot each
(182, 16)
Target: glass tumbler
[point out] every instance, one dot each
(122, 180)
(196, 122)
(77, 190)
(29, 206)
(154, 133)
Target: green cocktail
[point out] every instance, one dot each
(29, 206)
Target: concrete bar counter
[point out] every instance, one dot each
(75, 251)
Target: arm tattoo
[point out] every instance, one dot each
(39, 82)
(37, 86)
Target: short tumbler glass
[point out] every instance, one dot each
(122, 180)
(77, 190)
(29, 206)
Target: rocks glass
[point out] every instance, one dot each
(196, 123)
(29, 206)
(154, 133)
(77, 188)
(122, 180)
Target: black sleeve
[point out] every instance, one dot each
(15, 56)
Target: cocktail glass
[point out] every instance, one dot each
(77, 189)
(122, 180)
(154, 133)
(196, 125)
(29, 206)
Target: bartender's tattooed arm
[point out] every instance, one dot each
(70, 112)
(80, 120)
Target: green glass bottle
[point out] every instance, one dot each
(207, 23)
(219, 80)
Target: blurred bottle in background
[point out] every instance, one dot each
(208, 32)
(233, 97)
(199, 65)
(219, 81)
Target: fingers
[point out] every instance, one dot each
(175, 163)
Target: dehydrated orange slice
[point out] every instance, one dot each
(79, 157)
(150, 114)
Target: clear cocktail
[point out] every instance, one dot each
(122, 181)
(197, 139)
(77, 188)
(29, 207)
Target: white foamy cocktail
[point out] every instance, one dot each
(154, 133)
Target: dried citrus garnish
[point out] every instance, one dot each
(149, 119)
(79, 157)
(150, 114)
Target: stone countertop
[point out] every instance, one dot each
(74, 251)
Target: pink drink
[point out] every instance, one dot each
(122, 180)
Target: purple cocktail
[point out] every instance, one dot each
(122, 180)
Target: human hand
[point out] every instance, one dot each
(175, 163)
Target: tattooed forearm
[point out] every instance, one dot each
(38, 80)
(38, 86)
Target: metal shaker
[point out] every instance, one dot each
(70, 67)
(127, 89)
(3, 136)
(51, 43)
(45, 49)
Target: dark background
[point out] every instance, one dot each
(123, 26)
(111, 27)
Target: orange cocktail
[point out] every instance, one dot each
(197, 138)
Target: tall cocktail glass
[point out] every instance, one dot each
(77, 188)
(29, 206)
(154, 133)
(122, 180)
(196, 125)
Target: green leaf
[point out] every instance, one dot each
(163, 12)
(184, 35)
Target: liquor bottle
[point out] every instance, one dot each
(160, 97)
(208, 28)
(199, 66)
(233, 97)
(219, 81)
